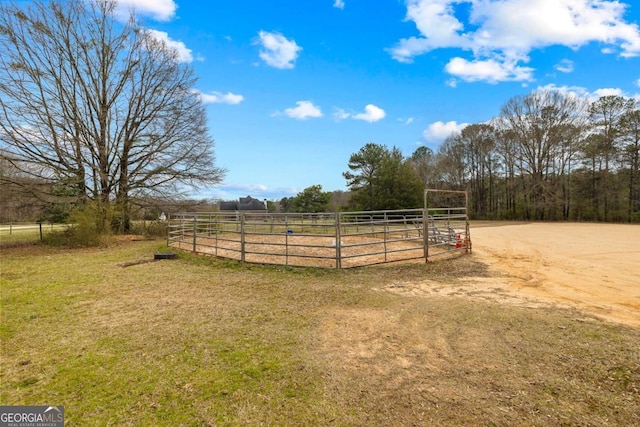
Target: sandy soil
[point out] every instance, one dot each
(594, 267)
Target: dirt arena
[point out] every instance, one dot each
(594, 267)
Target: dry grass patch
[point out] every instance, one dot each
(198, 341)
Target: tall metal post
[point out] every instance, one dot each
(386, 225)
(195, 232)
(425, 221)
(425, 232)
(338, 243)
(467, 231)
(286, 240)
(242, 242)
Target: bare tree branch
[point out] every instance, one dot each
(98, 103)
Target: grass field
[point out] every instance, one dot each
(25, 232)
(119, 340)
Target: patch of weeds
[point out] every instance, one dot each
(27, 382)
(625, 378)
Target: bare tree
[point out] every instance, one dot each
(423, 161)
(630, 131)
(451, 164)
(99, 104)
(605, 114)
(479, 141)
(538, 122)
(508, 152)
(570, 141)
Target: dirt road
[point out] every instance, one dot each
(594, 267)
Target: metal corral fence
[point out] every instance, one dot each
(330, 240)
(448, 222)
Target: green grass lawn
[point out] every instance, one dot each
(196, 341)
(20, 233)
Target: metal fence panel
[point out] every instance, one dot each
(330, 240)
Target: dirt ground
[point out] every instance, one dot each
(595, 267)
(432, 358)
(592, 267)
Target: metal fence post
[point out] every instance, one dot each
(425, 232)
(425, 220)
(286, 240)
(242, 238)
(338, 243)
(195, 232)
(386, 224)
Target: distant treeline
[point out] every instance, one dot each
(549, 155)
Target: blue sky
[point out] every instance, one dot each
(293, 88)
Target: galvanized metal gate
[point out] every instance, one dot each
(330, 240)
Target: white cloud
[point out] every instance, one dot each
(340, 114)
(501, 34)
(638, 82)
(371, 114)
(565, 66)
(490, 70)
(440, 131)
(404, 121)
(303, 110)
(338, 4)
(232, 191)
(221, 98)
(582, 92)
(608, 91)
(159, 10)
(184, 53)
(578, 91)
(246, 187)
(277, 51)
(526, 24)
